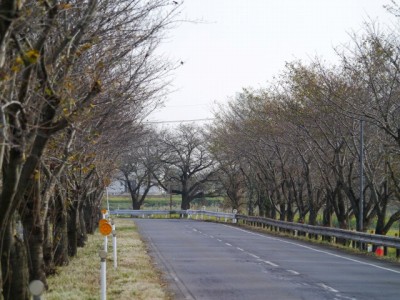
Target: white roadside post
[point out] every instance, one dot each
(108, 203)
(36, 287)
(103, 275)
(114, 234)
(234, 220)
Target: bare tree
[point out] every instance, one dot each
(188, 164)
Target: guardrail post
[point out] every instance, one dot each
(234, 220)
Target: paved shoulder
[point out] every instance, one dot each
(204, 260)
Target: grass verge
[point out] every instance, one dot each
(135, 277)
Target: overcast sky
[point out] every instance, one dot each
(246, 43)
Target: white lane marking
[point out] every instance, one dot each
(328, 288)
(240, 249)
(317, 250)
(345, 297)
(211, 236)
(255, 256)
(228, 244)
(194, 229)
(219, 240)
(293, 272)
(270, 263)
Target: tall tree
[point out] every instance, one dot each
(188, 164)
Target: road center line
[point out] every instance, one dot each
(219, 240)
(270, 263)
(240, 249)
(228, 244)
(253, 255)
(328, 288)
(317, 250)
(293, 272)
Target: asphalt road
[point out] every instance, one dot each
(203, 260)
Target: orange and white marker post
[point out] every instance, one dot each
(105, 229)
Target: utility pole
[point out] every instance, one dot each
(361, 204)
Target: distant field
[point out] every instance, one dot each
(160, 202)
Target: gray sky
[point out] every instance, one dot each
(246, 43)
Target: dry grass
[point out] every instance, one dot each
(135, 277)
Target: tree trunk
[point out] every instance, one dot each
(282, 210)
(82, 233)
(327, 214)
(135, 204)
(312, 218)
(185, 204)
(34, 238)
(289, 210)
(89, 208)
(60, 231)
(48, 249)
(72, 229)
(34, 232)
(380, 223)
(14, 265)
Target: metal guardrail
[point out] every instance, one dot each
(216, 214)
(188, 213)
(142, 213)
(168, 212)
(362, 237)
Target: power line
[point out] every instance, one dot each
(178, 121)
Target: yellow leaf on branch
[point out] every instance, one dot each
(36, 175)
(32, 56)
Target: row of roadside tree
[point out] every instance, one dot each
(293, 148)
(76, 80)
